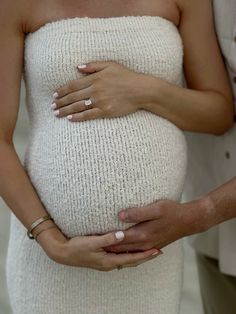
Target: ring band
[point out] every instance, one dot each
(88, 103)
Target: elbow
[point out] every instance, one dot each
(226, 116)
(6, 139)
(225, 126)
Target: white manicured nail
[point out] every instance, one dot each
(82, 66)
(157, 253)
(69, 117)
(55, 95)
(119, 235)
(56, 112)
(54, 105)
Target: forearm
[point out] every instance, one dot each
(16, 188)
(19, 194)
(190, 110)
(212, 209)
(222, 202)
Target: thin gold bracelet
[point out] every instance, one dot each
(35, 224)
(50, 227)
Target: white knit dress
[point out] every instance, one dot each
(85, 173)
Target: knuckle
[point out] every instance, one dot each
(77, 107)
(133, 214)
(147, 246)
(80, 116)
(91, 246)
(72, 85)
(109, 108)
(105, 266)
(96, 91)
(74, 107)
(143, 236)
(97, 77)
(69, 98)
(103, 263)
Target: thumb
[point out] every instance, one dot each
(140, 214)
(92, 67)
(111, 238)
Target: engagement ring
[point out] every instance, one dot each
(88, 103)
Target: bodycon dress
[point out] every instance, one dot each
(84, 173)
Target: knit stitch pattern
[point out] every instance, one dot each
(85, 173)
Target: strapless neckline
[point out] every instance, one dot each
(85, 173)
(105, 23)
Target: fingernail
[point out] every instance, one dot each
(123, 215)
(69, 117)
(54, 105)
(56, 112)
(82, 66)
(159, 252)
(55, 95)
(119, 235)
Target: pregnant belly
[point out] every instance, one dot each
(85, 173)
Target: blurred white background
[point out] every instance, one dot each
(191, 302)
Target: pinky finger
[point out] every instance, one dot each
(91, 114)
(124, 259)
(144, 260)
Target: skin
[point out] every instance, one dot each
(205, 73)
(164, 222)
(116, 90)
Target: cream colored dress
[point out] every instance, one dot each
(84, 173)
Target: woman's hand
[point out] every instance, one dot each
(113, 89)
(87, 251)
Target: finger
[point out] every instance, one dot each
(144, 260)
(130, 258)
(108, 239)
(131, 247)
(71, 98)
(74, 85)
(92, 67)
(139, 214)
(91, 114)
(76, 107)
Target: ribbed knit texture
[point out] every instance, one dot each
(84, 173)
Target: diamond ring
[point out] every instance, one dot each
(88, 103)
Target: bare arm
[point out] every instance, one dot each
(218, 206)
(15, 186)
(164, 222)
(207, 105)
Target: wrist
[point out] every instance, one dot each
(203, 215)
(41, 226)
(53, 241)
(148, 90)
